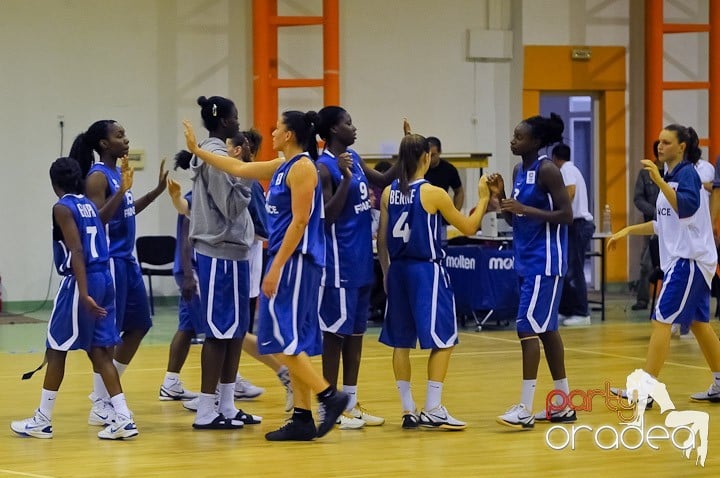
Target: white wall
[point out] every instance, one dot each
(144, 62)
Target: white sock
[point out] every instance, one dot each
(408, 403)
(120, 367)
(121, 409)
(226, 405)
(171, 378)
(528, 393)
(716, 379)
(563, 386)
(99, 387)
(433, 395)
(206, 409)
(352, 391)
(47, 402)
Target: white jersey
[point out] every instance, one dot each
(687, 232)
(573, 177)
(706, 171)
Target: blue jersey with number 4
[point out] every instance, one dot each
(348, 239)
(92, 236)
(279, 216)
(412, 232)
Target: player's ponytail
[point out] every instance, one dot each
(87, 142)
(412, 147)
(688, 136)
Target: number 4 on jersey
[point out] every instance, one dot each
(401, 229)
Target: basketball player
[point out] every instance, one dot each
(688, 256)
(107, 138)
(348, 279)
(288, 323)
(539, 211)
(83, 315)
(420, 303)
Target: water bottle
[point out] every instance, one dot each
(607, 220)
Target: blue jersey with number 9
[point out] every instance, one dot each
(412, 232)
(92, 235)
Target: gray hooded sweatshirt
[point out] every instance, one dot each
(220, 224)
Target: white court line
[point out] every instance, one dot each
(20, 473)
(592, 352)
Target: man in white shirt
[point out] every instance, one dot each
(573, 308)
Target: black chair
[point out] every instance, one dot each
(156, 251)
(657, 274)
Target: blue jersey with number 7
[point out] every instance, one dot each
(91, 231)
(412, 232)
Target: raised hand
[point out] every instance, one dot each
(190, 139)
(406, 127)
(496, 184)
(173, 189)
(483, 189)
(162, 177)
(652, 169)
(345, 163)
(127, 173)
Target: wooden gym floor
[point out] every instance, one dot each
(484, 379)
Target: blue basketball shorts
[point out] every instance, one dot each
(224, 302)
(685, 295)
(420, 306)
(131, 301)
(71, 326)
(539, 302)
(288, 322)
(344, 310)
(189, 312)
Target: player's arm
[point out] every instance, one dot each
(116, 200)
(571, 191)
(644, 229)
(71, 237)
(256, 170)
(550, 180)
(188, 283)
(376, 178)
(458, 197)
(334, 203)
(435, 199)
(301, 179)
(147, 199)
(383, 255)
(179, 203)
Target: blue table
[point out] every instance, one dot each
(483, 279)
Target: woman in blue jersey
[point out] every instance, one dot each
(420, 303)
(539, 210)
(688, 256)
(288, 323)
(107, 138)
(348, 279)
(83, 315)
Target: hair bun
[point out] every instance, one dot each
(202, 101)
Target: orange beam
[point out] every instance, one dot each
(288, 21)
(296, 82)
(686, 85)
(714, 80)
(686, 27)
(331, 52)
(264, 69)
(654, 20)
(704, 141)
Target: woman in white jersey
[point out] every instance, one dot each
(687, 256)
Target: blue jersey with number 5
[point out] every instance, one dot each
(91, 231)
(412, 232)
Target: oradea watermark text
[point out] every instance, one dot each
(686, 430)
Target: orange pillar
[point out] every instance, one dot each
(331, 52)
(714, 80)
(654, 21)
(264, 70)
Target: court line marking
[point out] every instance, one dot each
(20, 473)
